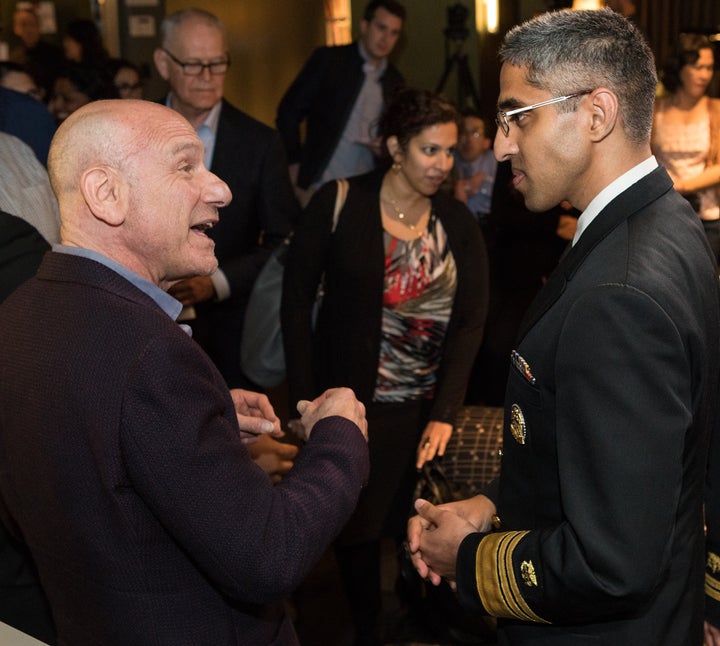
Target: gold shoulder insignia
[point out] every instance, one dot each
(713, 562)
(527, 569)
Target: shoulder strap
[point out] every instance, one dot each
(342, 190)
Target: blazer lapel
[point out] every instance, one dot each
(619, 210)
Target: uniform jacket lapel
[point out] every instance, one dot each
(619, 210)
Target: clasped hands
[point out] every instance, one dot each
(435, 534)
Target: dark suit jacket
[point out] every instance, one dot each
(22, 602)
(605, 440)
(324, 93)
(345, 347)
(122, 467)
(21, 249)
(249, 157)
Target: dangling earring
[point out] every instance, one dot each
(396, 167)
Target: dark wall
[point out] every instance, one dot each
(270, 41)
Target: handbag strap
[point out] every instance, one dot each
(342, 191)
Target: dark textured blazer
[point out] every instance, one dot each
(22, 602)
(249, 157)
(324, 93)
(608, 415)
(21, 249)
(345, 347)
(122, 467)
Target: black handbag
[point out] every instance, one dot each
(437, 607)
(262, 357)
(434, 485)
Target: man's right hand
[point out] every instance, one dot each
(335, 401)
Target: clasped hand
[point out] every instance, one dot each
(435, 534)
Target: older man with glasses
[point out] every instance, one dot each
(248, 155)
(594, 532)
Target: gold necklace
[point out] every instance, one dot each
(400, 213)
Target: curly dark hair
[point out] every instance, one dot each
(686, 52)
(413, 110)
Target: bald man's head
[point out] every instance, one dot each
(101, 133)
(131, 183)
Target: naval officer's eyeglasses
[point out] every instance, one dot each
(196, 68)
(504, 117)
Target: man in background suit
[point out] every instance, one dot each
(612, 396)
(249, 157)
(124, 466)
(340, 93)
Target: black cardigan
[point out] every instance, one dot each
(345, 347)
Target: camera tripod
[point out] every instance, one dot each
(466, 93)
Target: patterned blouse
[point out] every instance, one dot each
(420, 285)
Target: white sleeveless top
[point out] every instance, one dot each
(683, 150)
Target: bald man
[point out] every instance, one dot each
(124, 464)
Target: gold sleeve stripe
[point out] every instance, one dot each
(712, 587)
(495, 578)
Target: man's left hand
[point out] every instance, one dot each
(193, 290)
(434, 537)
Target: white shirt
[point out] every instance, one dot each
(611, 191)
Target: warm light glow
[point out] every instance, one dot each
(337, 22)
(487, 16)
(588, 4)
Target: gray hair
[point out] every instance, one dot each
(170, 23)
(571, 51)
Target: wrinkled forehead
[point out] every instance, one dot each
(163, 136)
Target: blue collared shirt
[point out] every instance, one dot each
(353, 154)
(165, 302)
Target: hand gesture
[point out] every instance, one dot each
(255, 415)
(335, 401)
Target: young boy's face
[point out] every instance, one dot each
(473, 141)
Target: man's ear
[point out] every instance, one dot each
(161, 63)
(605, 113)
(104, 192)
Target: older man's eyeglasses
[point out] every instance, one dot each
(194, 68)
(505, 117)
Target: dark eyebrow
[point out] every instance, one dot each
(509, 104)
